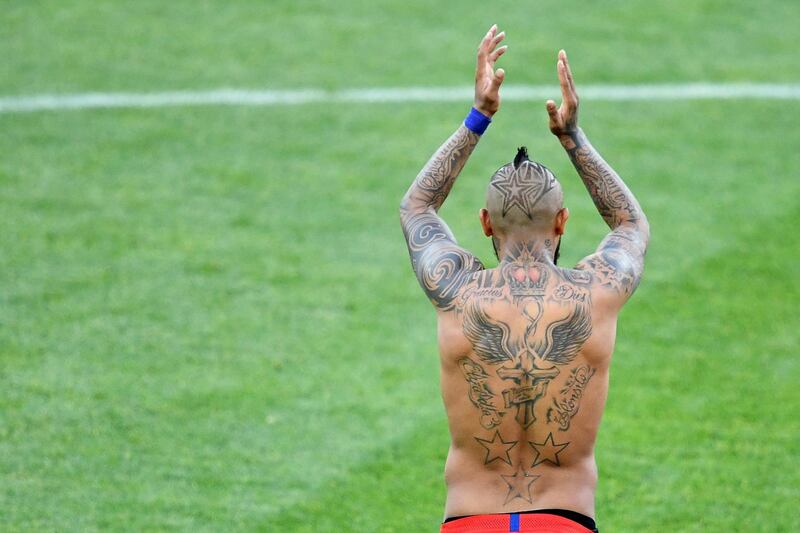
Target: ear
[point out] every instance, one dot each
(486, 222)
(561, 220)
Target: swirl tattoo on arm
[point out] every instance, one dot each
(441, 266)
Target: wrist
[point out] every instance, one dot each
(484, 111)
(571, 139)
(477, 121)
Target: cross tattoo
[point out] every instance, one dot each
(532, 383)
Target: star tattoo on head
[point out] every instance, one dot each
(521, 188)
(497, 448)
(519, 485)
(547, 450)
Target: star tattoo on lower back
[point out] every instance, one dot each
(547, 451)
(519, 485)
(497, 448)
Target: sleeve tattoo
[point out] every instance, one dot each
(618, 262)
(441, 266)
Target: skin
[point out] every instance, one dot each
(525, 347)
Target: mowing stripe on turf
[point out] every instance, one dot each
(244, 97)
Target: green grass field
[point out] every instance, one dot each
(207, 317)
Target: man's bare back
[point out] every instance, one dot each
(525, 347)
(520, 362)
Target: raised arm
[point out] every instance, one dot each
(618, 262)
(441, 266)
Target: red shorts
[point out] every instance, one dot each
(522, 522)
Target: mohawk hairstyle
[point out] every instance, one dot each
(521, 157)
(523, 194)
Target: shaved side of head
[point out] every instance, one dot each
(523, 196)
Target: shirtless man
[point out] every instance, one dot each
(525, 346)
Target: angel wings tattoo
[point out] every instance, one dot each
(526, 362)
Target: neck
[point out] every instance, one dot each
(512, 248)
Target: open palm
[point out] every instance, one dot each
(564, 119)
(487, 79)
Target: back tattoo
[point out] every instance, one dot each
(503, 317)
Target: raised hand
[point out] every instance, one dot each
(487, 79)
(564, 120)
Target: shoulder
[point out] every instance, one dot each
(444, 271)
(610, 276)
(613, 270)
(442, 267)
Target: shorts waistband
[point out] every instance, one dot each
(539, 520)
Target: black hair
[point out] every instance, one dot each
(557, 253)
(521, 157)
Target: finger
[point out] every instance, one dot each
(566, 92)
(497, 39)
(489, 36)
(497, 53)
(563, 55)
(484, 45)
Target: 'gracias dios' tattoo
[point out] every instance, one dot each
(526, 321)
(528, 361)
(503, 317)
(571, 293)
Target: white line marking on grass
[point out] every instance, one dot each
(241, 97)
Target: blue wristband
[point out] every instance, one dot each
(476, 121)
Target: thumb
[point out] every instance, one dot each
(498, 77)
(551, 109)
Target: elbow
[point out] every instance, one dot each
(405, 202)
(643, 226)
(638, 228)
(406, 208)
(410, 205)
